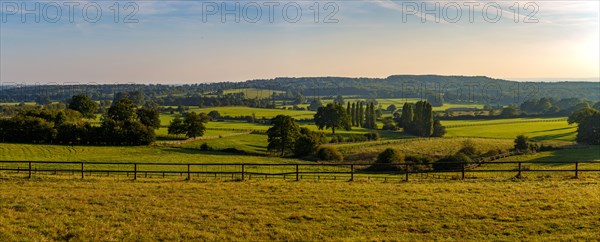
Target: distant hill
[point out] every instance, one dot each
(479, 89)
(454, 88)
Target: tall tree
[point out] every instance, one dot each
(122, 110)
(149, 117)
(367, 122)
(348, 110)
(84, 105)
(353, 114)
(373, 116)
(194, 124)
(361, 114)
(331, 117)
(177, 127)
(427, 129)
(438, 129)
(418, 119)
(407, 117)
(283, 134)
(588, 128)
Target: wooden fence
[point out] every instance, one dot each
(244, 171)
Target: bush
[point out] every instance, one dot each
(336, 139)
(372, 136)
(308, 142)
(521, 143)
(329, 153)
(533, 147)
(451, 163)
(418, 162)
(418, 159)
(491, 153)
(233, 151)
(390, 156)
(469, 149)
(205, 147)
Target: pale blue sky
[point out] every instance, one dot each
(172, 44)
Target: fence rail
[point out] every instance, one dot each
(335, 171)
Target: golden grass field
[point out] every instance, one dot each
(50, 209)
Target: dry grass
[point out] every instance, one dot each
(435, 147)
(108, 210)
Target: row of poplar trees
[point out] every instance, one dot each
(417, 119)
(362, 114)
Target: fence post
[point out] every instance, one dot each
(463, 170)
(406, 178)
(82, 175)
(134, 171)
(576, 169)
(352, 172)
(188, 173)
(242, 172)
(297, 174)
(29, 170)
(519, 174)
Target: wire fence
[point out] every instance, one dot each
(305, 171)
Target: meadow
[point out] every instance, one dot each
(379, 207)
(25, 152)
(104, 209)
(538, 129)
(253, 93)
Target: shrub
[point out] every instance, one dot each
(329, 153)
(418, 162)
(372, 136)
(419, 159)
(233, 151)
(451, 163)
(388, 160)
(491, 153)
(205, 147)
(390, 156)
(469, 149)
(308, 142)
(336, 139)
(521, 143)
(534, 147)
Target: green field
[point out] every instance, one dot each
(253, 93)
(587, 153)
(116, 210)
(15, 104)
(434, 147)
(537, 129)
(250, 143)
(26, 152)
(245, 111)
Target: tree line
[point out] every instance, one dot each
(123, 124)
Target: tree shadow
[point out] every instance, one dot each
(548, 130)
(591, 153)
(552, 137)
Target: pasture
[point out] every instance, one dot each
(125, 154)
(253, 93)
(105, 209)
(538, 129)
(434, 147)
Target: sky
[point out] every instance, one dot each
(212, 41)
